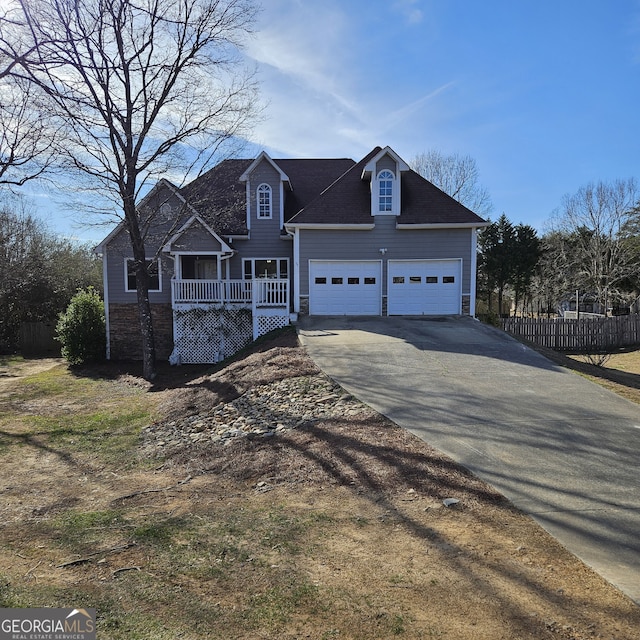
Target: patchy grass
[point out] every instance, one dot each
(76, 414)
(620, 374)
(347, 538)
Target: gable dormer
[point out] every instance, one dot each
(265, 185)
(384, 172)
(197, 236)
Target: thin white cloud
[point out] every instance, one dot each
(305, 58)
(320, 85)
(410, 10)
(397, 117)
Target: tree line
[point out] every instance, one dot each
(120, 93)
(591, 247)
(589, 258)
(39, 271)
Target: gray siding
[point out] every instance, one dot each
(265, 235)
(264, 173)
(270, 248)
(401, 244)
(196, 238)
(265, 239)
(386, 162)
(116, 274)
(119, 249)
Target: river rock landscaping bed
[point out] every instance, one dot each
(261, 412)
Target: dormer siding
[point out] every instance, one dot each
(387, 162)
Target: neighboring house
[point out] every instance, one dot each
(239, 250)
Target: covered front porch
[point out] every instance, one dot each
(214, 316)
(213, 319)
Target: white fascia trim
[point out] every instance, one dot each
(264, 156)
(444, 225)
(224, 247)
(370, 167)
(102, 247)
(340, 227)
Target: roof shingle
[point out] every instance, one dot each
(324, 191)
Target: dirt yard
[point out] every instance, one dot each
(258, 500)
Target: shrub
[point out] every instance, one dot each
(81, 328)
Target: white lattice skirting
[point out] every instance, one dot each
(206, 334)
(265, 320)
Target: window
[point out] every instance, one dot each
(353, 280)
(369, 280)
(321, 280)
(398, 279)
(415, 279)
(432, 279)
(264, 201)
(448, 279)
(130, 275)
(385, 191)
(336, 280)
(199, 267)
(266, 268)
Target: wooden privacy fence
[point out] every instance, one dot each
(587, 335)
(37, 338)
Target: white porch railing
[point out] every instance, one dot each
(270, 292)
(261, 292)
(210, 291)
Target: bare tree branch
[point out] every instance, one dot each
(141, 88)
(594, 222)
(457, 176)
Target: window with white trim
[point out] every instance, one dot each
(130, 275)
(264, 201)
(386, 185)
(266, 268)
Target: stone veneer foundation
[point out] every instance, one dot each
(124, 331)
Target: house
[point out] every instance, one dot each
(249, 244)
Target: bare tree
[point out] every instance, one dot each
(457, 176)
(596, 217)
(143, 89)
(26, 139)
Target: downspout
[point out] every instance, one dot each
(105, 300)
(296, 268)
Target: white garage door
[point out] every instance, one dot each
(424, 287)
(345, 288)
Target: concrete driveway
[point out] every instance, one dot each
(561, 448)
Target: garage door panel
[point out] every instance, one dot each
(424, 287)
(345, 287)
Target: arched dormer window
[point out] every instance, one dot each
(386, 185)
(264, 201)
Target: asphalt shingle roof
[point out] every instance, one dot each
(324, 191)
(220, 197)
(348, 201)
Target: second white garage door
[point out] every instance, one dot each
(345, 287)
(424, 287)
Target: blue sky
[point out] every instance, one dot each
(544, 94)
